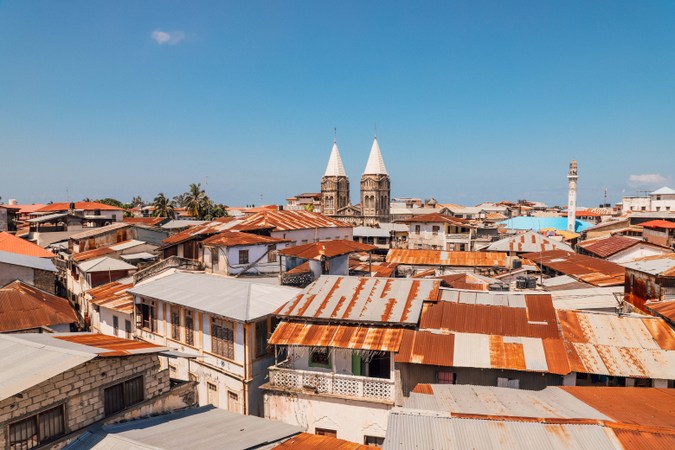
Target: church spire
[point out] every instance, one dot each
(375, 165)
(335, 167)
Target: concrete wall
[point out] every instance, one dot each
(80, 390)
(352, 419)
(10, 272)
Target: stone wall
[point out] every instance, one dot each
(45, 280)
(80, 390)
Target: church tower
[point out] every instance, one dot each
(375, 189)
(334, 184)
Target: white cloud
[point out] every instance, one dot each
(647, 179)
(167, 37)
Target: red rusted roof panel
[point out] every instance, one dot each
(340, 336)
(446, 258)
(658, 224)
(286, 220)
(229, 238)
(12, 244)
(112, 346)
(23, 307)
(604, 248)
(113, 296)
(306, 441)
(597, 272)
(328, 249)
(87, 206)
(95, 253)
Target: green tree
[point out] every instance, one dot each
(213, 211)
(111, 202)
(137, 201)
(163, 207)
(196, 201)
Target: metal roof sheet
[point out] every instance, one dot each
(195, 428)
(356, 299)
(606, 247)
(597, 272)
(23, 306)
(446, 258)
(95, 253)
(202, 231)
(551, 402)
(229, 238)
(590, 298)
(286, 220)
(86, 206)
(665, 309)
(607, 344)
(658, 224)
(340, 336)
(227, 297)
(27, 261)
(307, 441)
(327, 249)
(135, 256)
(12, 244)
(125, 245)
(113, 296)
(47, 217)
(96, 231)
(663, 265)
(527, 242)
(104, 264)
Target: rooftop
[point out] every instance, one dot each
(113, 296)
(286, 220)
(446, 258)
(663, 265)
(97, 231)
(33, 262)
(597, 272)
(85, 206)
(606, 247)
(229, 238)
(228, 297)
(104, 264)
(12, 244)
(24, 307)
(527, 242)
(540, 223)
(327, 249)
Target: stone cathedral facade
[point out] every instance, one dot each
(375, 198)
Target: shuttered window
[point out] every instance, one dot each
(37, 430)
(222, 338)
(122, 395)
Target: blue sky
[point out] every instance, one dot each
(475, 100)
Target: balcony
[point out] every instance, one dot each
(328, 383)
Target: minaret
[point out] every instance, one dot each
(334, 184)
(375, 188)
(572, 197)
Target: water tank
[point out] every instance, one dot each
(11, 201)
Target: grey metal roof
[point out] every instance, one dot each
(173, 224)
(47, 217)
(654, 266)
(591, 298)
(552, 402)
(370, 232)
(415, 429)
(25, 361)
(528, 242)
(141, 255)
(27, 261)
(104, 264)
(126, 245)
(227, 297)
(198, 428)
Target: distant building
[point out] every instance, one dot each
(660, 200)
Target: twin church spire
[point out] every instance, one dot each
(375, 189)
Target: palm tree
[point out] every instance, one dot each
(163, 207)
(196, 201)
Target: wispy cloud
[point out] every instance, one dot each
(647, 179)
(167, 37)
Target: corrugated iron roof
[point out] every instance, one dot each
(23, 307)
(152, 221)
(658, 224)
(665, 309)
(340, 336)
(609, 246)
(286, 220)
(306, 441)
(356, 299)
(467, 281)
(95, 253)
(382, 270)
(33, 262)
(110, 345)
(628, 346)
(327, 249)
(446, 258)
(113, 296)
(597, 272)
(526, 242)
(198, 231)
(96, 231)
(663, 265)
(86, 206)
(229, 238)
(104, 264)
(12, 244)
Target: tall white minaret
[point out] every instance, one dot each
(572, 197)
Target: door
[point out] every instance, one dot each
(212, 394)
(233, 402)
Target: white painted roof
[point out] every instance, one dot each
(335, 167)
(375, 165)
(665, 190)
(228, 297)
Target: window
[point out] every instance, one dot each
(243, 256)
(325, 432)
(272, 253)
(261, 338)
(435, 229)
(37, 430)
(122, 395)
(127, 328)
(189, 328)
(373, 440)
(146, 316)
(417, 229)
(214, 256)
(320, 358)
(175, 323)
(445, 378)
(116, 325)
(222, 338)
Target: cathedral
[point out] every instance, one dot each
(374, 206)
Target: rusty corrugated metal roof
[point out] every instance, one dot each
(609, 246)
(328, 249)
(628, 346)
(199, 231)
(151, 221)
(446, 258)
(113, 296)
(12, 244)
(341, 336)
(665, 309)
(96, 231)
(110, 345)
(597, 272)
(356, 299)
(86, 206)
(382, 270)
(306, 441)
(286, 220)
(229, 238)
(23, 307)
(95, 253)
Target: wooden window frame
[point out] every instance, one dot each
(38, 427)
(244, 256)
(174, 316)
(127, 394)
(189, 327)
(263, 350)
(221, 346)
